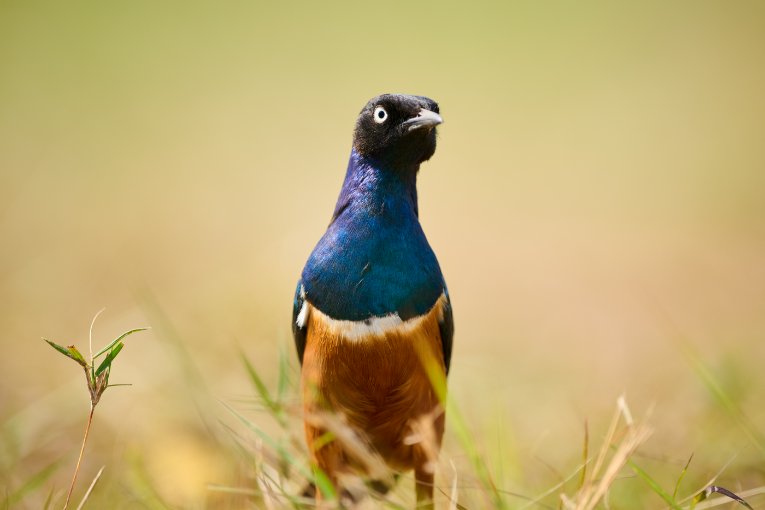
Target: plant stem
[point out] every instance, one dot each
(79, 460)
(90, 489)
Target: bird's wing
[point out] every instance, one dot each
(446, 327)
(299, 320)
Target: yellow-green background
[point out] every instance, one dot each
(597, 201)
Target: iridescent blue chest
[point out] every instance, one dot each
(374, 259)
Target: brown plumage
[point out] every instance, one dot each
(379, 386)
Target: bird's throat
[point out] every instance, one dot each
(373, 187)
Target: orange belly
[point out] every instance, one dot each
(379, 387)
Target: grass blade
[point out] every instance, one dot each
(142, 485)
(680, 478)
(118, 340)
(712, 489)
(262, 390)
(284, 375)
(33, 483)
(319, 477)
(49, 499)
(437, 379)
(654, 485)
(726, 401)
(69, 352)
(107, 362)
(90, 489)
(585, 455)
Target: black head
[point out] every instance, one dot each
(397, 130)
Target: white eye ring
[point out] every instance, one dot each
(380, 115)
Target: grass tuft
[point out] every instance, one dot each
(97, 380)
(273, 468)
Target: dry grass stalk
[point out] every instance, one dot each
(354, 445)
(602, 476)
(90, 489)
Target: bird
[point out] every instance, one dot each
(372, 318)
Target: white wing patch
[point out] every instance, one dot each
(302, 317)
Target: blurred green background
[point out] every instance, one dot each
(597, 203)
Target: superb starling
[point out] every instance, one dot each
(372, 319)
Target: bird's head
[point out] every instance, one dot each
(397, 130)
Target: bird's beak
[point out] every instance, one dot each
(425, 118)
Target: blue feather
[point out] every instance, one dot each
(374, 259)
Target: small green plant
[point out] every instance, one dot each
(97, 379)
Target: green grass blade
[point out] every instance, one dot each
(69, 352)
(322, 481)
(49, 499)
(107, 362)
(33, 483)
(77, 356)
(118, 340)
(262, 390)
(284, 376)
(680, 478)
(585, 455)
(63, 350)
(726, 402)
(437, 379)
(323, 484)
(654, 485)
(142, 485)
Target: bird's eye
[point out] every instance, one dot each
(380, 115)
